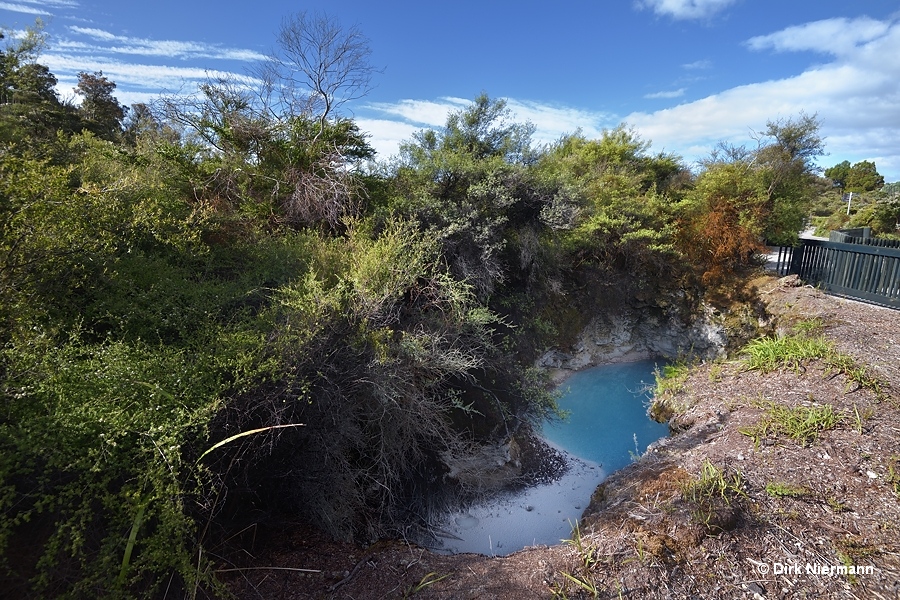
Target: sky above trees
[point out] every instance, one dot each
(684, 73)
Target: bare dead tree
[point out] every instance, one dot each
(319, 65)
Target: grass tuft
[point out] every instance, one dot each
(794, 352)
(587, 554)
(670, 380)
(785, 490)
(428, 580)
(790, 352)
(712, 493)
(803, 424)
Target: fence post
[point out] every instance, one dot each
(796, 260)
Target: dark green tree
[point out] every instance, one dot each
(30, 110)
(18, 53)
(745, 197)
(839, 174)
(864, 177)
(99, 108)
(860, 177)
(143, 126)
(622, 197)
(785, 161)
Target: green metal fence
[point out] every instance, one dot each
(861, 236)
(864, 272)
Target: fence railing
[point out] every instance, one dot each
(861, 271)
(845, 238)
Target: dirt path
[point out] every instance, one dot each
(729, 507)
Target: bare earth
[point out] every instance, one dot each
(828, 526)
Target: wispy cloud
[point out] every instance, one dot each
(138, 76)
(830, 36)
(670, 94)
(553, 121)
(686, 9)
(23, 8)
(118, 44)
(37, 7)
(431, 113)
(697, 65)
(91, 49)
(550, 121)
(855, 97)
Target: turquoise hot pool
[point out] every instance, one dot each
(607, 425)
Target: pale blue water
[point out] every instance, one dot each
(607, 412)
(607, 406)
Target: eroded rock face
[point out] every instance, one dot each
(629, 335)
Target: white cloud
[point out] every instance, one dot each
(386, 135)
(698, 65)
(855, 97)
(671, 94)
(37, 7)
(66, 86)
(685, 9)
(139, 76)
(553, 121)
(118, 44)
(23, 8)
(422, 112)
(830, 36)
(550, 121)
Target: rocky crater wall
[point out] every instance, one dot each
(629, 334)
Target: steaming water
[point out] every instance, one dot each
(607, 424)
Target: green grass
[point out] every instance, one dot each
(803, 424)
(789, 352)
(794, 352)
(427, 581)
(587, 554)
(712, 482)
(856, 374)
(669, 382)
(860, 418)
(810, 327)
(893, 479)
(836, 505)
(671, 378)
(785, 490)
(712, 490)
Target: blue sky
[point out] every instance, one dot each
(684, 74)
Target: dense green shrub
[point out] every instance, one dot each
(92, 436)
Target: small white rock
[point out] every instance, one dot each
(872, 474)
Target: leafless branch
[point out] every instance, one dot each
(320, 65)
